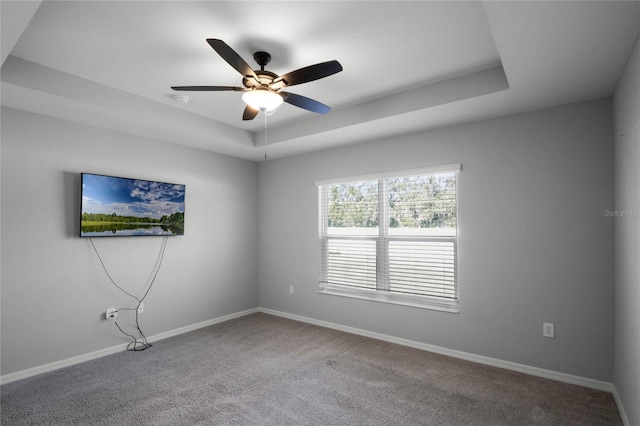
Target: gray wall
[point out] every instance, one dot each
(54, 291)
(534, 244)
(627, 238)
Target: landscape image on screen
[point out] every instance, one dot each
(115, 206)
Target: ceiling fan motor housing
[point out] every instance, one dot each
(265, 78)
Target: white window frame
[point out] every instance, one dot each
(382, 244)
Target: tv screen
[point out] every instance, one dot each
(115, 206)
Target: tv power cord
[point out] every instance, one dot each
(136, 344)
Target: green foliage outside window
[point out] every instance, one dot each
(413, 202)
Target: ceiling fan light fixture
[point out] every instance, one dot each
(262, 99)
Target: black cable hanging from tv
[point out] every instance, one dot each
(135, 345)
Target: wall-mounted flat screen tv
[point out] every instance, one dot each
(115, 206)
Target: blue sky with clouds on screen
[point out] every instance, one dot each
(130, 197)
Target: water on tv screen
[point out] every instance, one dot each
(115, 206)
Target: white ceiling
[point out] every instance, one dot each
(408, 65)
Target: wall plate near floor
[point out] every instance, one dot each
(548, 330)
(111, 313)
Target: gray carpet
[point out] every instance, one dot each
(266, 370)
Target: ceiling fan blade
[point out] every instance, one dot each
(232, 58)
(305, 103)
(310, 73)
(249, 113)
(209, 88)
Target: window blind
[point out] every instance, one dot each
(393, 236)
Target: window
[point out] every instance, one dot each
(391, 238)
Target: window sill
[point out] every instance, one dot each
(414, 301)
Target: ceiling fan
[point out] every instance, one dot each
(263, 89)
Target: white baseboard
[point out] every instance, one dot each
(200, 325)
(12, 377)
(522, 368)
(623, 414)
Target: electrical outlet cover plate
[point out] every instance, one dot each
(141, 308)
(548, 330)
(111, 313)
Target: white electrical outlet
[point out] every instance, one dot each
(141, 308)
(111, 314)
(548, 330)
(290, 289)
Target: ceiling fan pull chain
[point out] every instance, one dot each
(265, 129)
